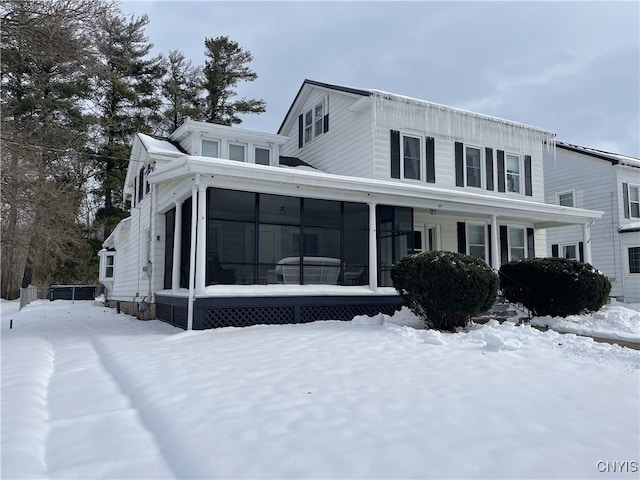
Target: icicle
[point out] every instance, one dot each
(453, 124)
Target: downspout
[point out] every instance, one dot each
(192, 252)
(373, 248)
(586, 238)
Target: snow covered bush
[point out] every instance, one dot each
(445, 288)
(554, 286)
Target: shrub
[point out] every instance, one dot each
(445, 288)
(554, 286)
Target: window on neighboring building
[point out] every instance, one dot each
(634, 260)
(476, 240)
(565, 199)
(513, 173)
(210, 148)
(314, 122)
(473, 167)
(236, 152)
(262, 156)
(411, 157)
(517, 248)
(634, 201)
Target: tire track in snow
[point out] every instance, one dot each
(179, 464)
(95, 431)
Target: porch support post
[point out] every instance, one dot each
(586, 238)
(192, 256)
(177, 246)
(495, 262)
(373, 248)
(201, 255)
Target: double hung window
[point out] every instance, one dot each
(634, 260)
(473, 166)
(517, 248)
(513, 175)
(314, 122)
(411, 157)
(477, 244)
(634, 201)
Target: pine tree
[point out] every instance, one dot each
(225, 67)
(45, 87)
(127, 101)
(181, 89)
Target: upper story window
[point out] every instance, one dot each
(262, 156)
(313, 123)
(513, 173)
(107, 265)
(634, 201)
(211, 148)
(565, 199)
(411, 157)
(236, 152)
(473, 166)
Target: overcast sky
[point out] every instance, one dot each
(569, 67)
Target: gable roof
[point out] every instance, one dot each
(613, 158)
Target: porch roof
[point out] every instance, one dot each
(298, 182)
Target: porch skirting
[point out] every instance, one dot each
(215, 312)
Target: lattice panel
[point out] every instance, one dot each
(163, 312)
(341, 312)
(180, 315)
(247, 316)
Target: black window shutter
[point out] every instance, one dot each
(531, 243)
(581, 251)
(504, 245)
(462, 238)
(500, 171)
(395, 154)
(554, 250)
(489, 167)
(141, 184)
(300, 132)
(528, 185)
(459, 159)
(431, 160)
(625, 199)
(325, 122)
(489, 244)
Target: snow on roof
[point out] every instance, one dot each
(630, 227)
(614, 158)
(157, 145)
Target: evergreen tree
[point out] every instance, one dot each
(181, 88)
(225, 67)
(127, 101)
(45, 87)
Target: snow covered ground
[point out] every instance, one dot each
(88, 393)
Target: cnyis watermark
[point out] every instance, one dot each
(617, 467)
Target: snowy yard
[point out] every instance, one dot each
(88, 393)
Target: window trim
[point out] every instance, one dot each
(525, 250)
(520, 173)
(483, 226)
(421, 157)
(566, 192)
(562, 246)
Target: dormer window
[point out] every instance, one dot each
(236, 152)
(262, 156)
(211, 148)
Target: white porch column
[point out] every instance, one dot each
(495, 261)
(201, 255)
(177, 246)
(373, 248)
(192, 255)
(586, 241)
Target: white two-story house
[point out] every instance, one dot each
(234, 227)
(584, 177)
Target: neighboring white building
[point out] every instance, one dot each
(588, 178)
(234, 227)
